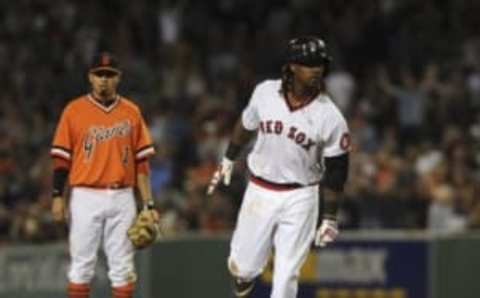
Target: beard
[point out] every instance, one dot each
(313, 86)
(315, 81)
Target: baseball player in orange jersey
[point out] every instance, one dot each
(101, 146)
(302, 140)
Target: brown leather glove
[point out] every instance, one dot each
(145, 230)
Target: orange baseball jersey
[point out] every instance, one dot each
(102, 144)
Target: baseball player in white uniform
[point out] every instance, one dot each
(302, 142)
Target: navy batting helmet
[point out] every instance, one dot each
(308, 51)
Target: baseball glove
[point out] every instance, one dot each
(144, 230)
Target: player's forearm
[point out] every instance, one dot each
(240, 137)
(333, 182)
(145, 189)
(330, 203)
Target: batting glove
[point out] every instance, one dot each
(326, 233)
(224, 172)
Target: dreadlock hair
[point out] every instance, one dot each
(287, 80)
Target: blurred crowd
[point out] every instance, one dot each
(406, 74)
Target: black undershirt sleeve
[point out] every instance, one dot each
(233, 151)
(336, 172)
(60, 176)
(240, 137)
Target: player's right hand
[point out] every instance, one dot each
(224, 172)
(58, 209)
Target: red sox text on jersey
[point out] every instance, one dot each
(277, 127)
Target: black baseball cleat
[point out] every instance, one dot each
(242, 288)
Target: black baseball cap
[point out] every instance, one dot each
(104, 61)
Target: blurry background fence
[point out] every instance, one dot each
(360, 265)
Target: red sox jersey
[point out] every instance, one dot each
(290, 140)
(102, 144)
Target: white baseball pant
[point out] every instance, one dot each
(96, 216)
(282, 220)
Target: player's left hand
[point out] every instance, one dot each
(150, 211)
(326, 233)
(224, 172)
(145, 230)
(153, 215)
